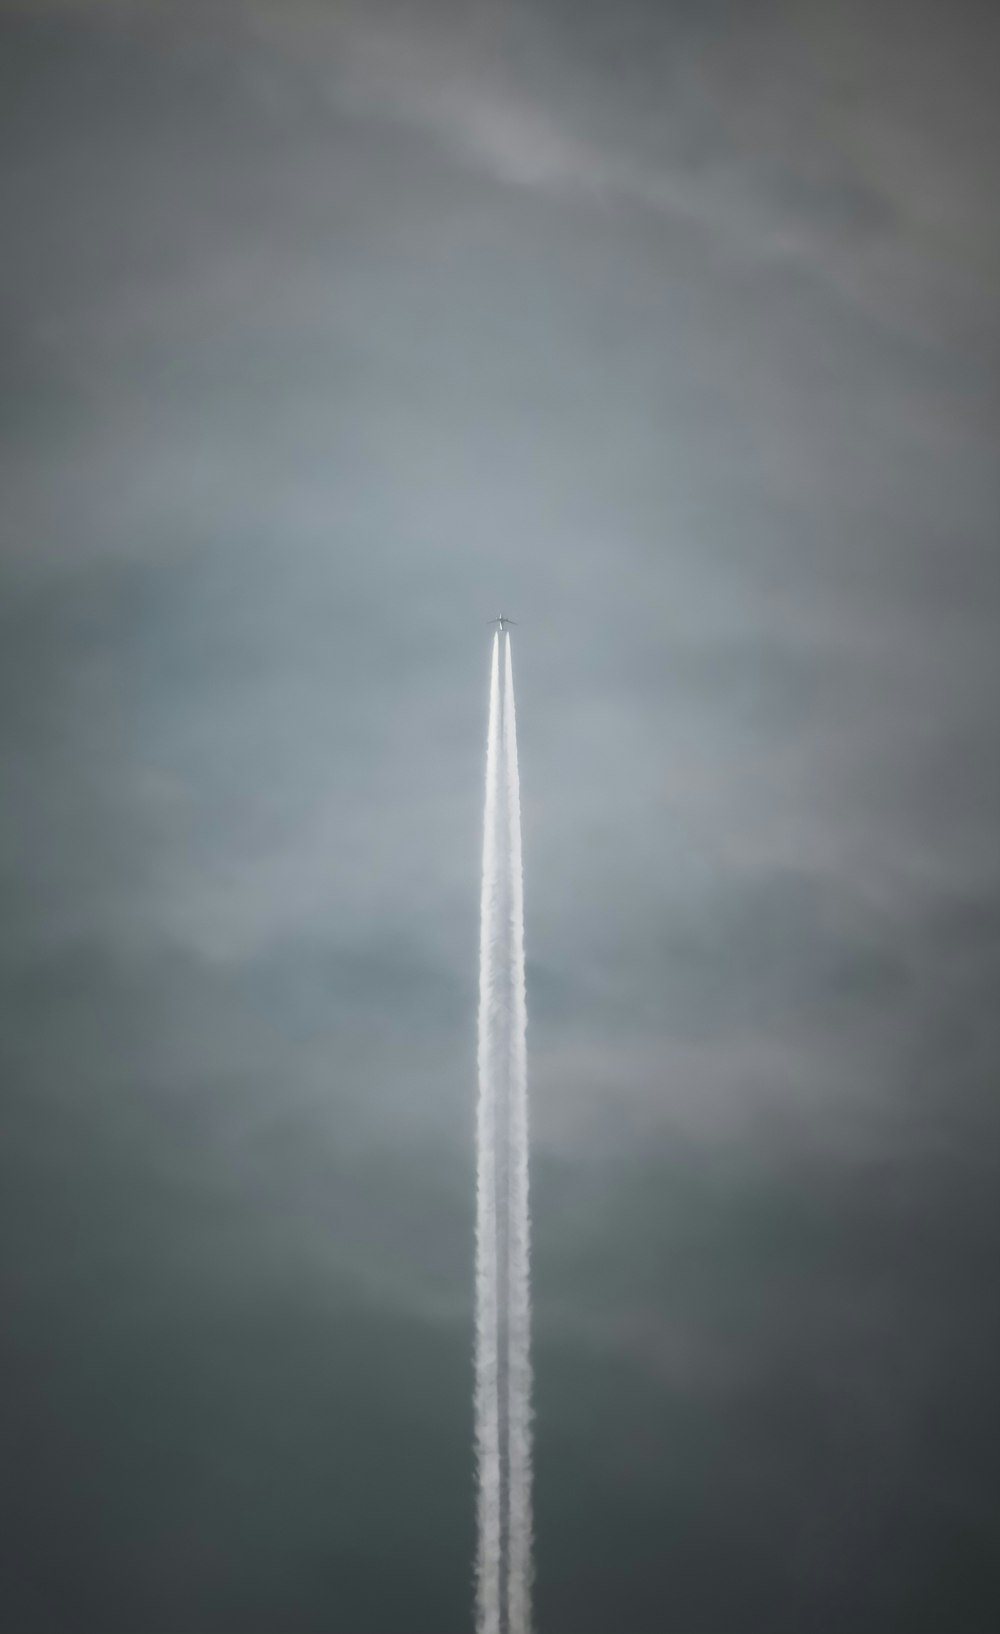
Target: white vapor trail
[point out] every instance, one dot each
(518, 1283)
(487, 1294)
(503, 1359)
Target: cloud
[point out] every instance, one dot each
(846, 145)
(672, 330)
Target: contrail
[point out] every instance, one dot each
(487, 1293)
(503, 1362)
(518, 1284)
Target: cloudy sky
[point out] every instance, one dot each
(329, 328)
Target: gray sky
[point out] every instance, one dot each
(328, 330)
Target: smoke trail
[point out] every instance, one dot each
(503, 1366)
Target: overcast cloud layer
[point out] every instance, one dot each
(329, 330)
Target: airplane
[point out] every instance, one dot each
(503, 621)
